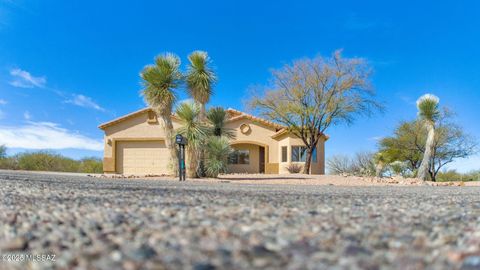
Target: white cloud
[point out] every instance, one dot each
(24, 79)
(84, 101)
(27, 115)
(45, 135)
(3, 102)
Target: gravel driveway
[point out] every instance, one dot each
(144, 224)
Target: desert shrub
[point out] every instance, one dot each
(453, 175)
(46, 161)
(339, 164)
(50, 161)
(9, 163)
(362, 164)
(90, 165)
(294, 168)
(217, 151)
(399, 168)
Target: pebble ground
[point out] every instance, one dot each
(143, 224)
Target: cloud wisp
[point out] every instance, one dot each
(23, 79)
(46, 135)
(27, 115)
(3, 102)
(84, 101)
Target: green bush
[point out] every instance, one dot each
(218, 149)
(50, 161)
(453, 175)
(46, 161)
(91, 165)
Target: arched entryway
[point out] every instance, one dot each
(248, 157)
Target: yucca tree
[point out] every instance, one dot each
(217, 118)
(200, 79)
(195, 131)
(429, 113)
(160, 82)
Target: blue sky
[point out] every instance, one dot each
(67, 66)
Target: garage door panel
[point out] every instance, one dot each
(142, 157)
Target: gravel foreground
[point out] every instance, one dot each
(144, 224)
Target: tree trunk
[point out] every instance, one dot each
(379, 169)
(169, 137)
(203, 113)
(427, 156)
(201, 170)
(432, 175)
(192, 163)
(308, 161)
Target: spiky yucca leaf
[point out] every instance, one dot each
(218, 150)
(159, 82)
(194, 130)
(218, 117)
(428, 107)
(200, 77)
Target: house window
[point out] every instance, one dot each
(299, 154)
(284, 154)
(239, 157)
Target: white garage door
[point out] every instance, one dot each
(142, 157)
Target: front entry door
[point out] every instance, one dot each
(261, 159)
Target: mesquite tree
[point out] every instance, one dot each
(310, 95)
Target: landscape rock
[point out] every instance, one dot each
(133, 223)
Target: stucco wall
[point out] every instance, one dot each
(259, 134)
(253, 166)
(138, 127)
(289, 141)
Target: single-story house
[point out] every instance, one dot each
(135, 145)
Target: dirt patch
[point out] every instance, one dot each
(301, 179)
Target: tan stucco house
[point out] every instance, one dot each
(135, 145)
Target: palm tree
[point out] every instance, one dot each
(429, 113)
(194, 131)
(200, 79)
(160, 82)
(217, 118)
